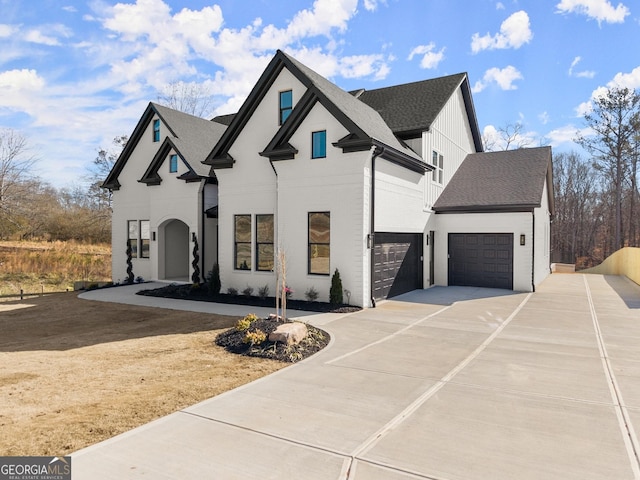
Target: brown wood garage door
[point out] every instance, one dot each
(481, 260)
(397, 264)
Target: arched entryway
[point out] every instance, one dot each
(174, 251)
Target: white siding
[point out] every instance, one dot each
(172, 199)
(449, 135)
(515, 223)
(335, 184)
(542, 260)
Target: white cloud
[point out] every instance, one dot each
(372, 5)
(544, 118)
(430, 57)
(70, 9)
(21, 80)
(515, 31)
(499, 6)
(582, 74)
(629, 80)
(504, 78)
(7, 30)
(600, 10)
(563, 135)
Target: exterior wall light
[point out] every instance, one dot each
(522, 242)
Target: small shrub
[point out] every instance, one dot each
(255, 338)
(247, 292)
(232, 291)
(335, 293)
(288, 292)
(311, 294)
(244, 323)
(263, 292)
(213, 280)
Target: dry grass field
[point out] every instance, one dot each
(51, 266)
(74, 372)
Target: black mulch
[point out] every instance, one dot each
(200, 293)
(234, 341)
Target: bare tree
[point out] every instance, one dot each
(509, 137)
(16, 167)
(614, 120)
(192, 98)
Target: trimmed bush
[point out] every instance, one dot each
(335, 293)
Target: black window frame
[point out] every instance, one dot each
(145, 239)
(133, 241)
(156, 130)
(286, 109)
(260, 244)
(324, 145)
(311, 245)
(171, 164)
(237, 243)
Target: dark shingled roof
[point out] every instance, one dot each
(511, 180)
(412, 106)
(224, 119)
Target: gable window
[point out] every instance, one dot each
(437, 160)
(286, 105)
(132, 238)
(242, 237)
(144, 238)
(319, 144)
(173, 163)
(319, 242)
(264, 243)
(156, 130)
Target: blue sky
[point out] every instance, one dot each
(75, 74)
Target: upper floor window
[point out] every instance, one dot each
(286, 105)
(319, 144)
(173, 163)
(156, 130)
(437, 160)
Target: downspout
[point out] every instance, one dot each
(533, 250)
(276, 227)
(203, 229)
(378, 150)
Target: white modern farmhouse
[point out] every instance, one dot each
(389, 186)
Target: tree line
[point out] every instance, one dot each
(31, 208)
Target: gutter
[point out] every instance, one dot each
(377, 151)
(533, 250)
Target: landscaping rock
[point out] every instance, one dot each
(289, 333)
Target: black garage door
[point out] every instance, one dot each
(481, 260)
(397, 264)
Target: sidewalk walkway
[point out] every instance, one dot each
(448, 383)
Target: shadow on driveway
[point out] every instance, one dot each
(450, 295)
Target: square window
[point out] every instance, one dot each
(156, 130)
(173, 163)
(319, 144)
(286, 105)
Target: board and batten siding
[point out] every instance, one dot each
(449, 135)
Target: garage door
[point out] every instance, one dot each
(481, 260)
(397, 264)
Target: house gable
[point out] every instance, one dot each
(365, 126)
(152, 177)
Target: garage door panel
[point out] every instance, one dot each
(397, 264)
(481, 259)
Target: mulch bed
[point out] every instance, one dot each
(234, 340)
(201, 294)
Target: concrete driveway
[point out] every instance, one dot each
(447, 383)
